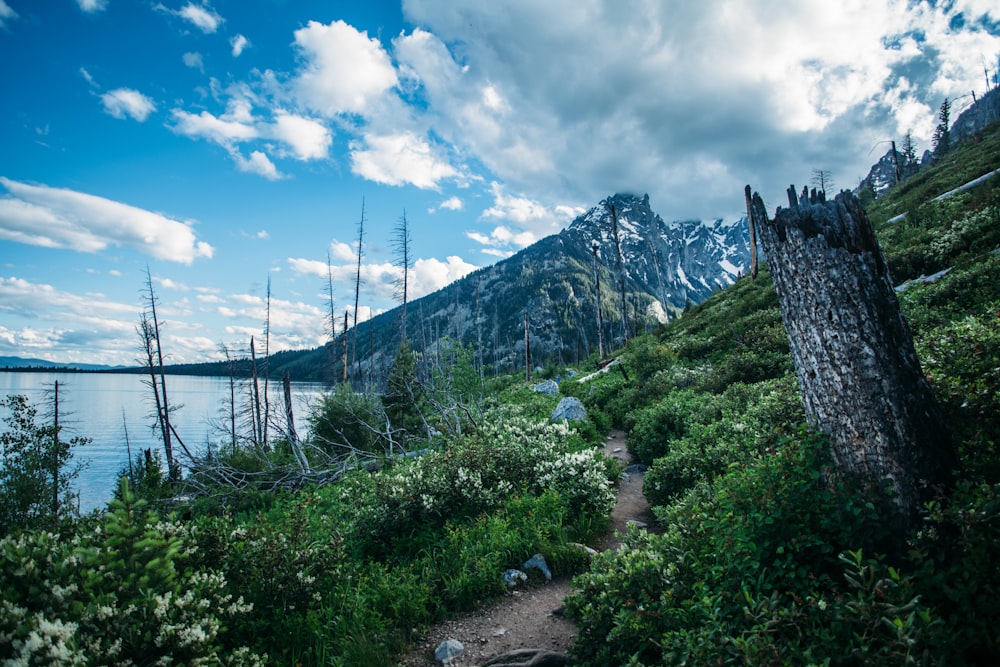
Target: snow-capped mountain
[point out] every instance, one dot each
(666, 267)
(676, 263)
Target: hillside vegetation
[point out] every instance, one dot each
(766, 555)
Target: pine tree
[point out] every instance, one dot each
(942, 134)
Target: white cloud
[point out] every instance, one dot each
(343, 71)
(92, 6)
(216, 129)
(343, 251)
(239, 44)
(30, 299)
(308, 138)
(85, 74)
(452, 204)
(202, 17)
(194, 60)
(122, 102)
(687, 101)
(6, 14)
(400, 159)
(432, 274)
(59, 218)
(257, 163)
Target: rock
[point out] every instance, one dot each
(571, 373)
(538, 562)
(570, 409)
(636, 467)
(549, 387)
(616, 450)
(590, 550)
(513, 577)
(637, 523)
(448, 651)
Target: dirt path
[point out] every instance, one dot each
(530, 617)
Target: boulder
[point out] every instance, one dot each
(513, 577)
(538, 562)
(448, 651)
(570, 409)
(549, 388)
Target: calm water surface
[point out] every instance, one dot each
(101, 407)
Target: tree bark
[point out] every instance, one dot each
(861, 381)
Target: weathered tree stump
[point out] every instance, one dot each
(861, 381)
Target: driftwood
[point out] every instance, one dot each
(861, 381)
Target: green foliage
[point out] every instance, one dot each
(117, 592)
(35, 471)
(344, 421)
(147, 478)
(747, 571)
(954, 563)
(403, 399)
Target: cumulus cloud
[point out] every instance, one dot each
(122, 102)
(344, 70)
(430, 275)
(92, 6)
(452, 204)
(258, 163)
(308, 139)
(687, 101)
(298, 137)
(239, 44)
(528, 221)
(59, 218)
(400, 159)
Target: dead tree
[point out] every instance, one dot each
(357, 291)
(150, 334)
(861, 381)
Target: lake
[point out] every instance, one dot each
(101, 406)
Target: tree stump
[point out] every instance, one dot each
(861, 381)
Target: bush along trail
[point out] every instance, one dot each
(528, 626)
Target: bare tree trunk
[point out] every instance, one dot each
(293, 436)
(527, 350)
(861, 381)
(55, 456)
(258, 425)
(267, 363)
(173, 469)
(357, 290)
(344, 378)
(404, 260)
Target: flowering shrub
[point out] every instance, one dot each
(474, 474)
(116, 594)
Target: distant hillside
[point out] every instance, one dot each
(24, 364)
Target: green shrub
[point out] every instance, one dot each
(669, 420)
(35, 472)
(117, 592)
(739, 556)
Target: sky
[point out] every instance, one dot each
(225, 145)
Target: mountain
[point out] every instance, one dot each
(666, 267)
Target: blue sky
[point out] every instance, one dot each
(229, 142)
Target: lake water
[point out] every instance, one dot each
(101, 405)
